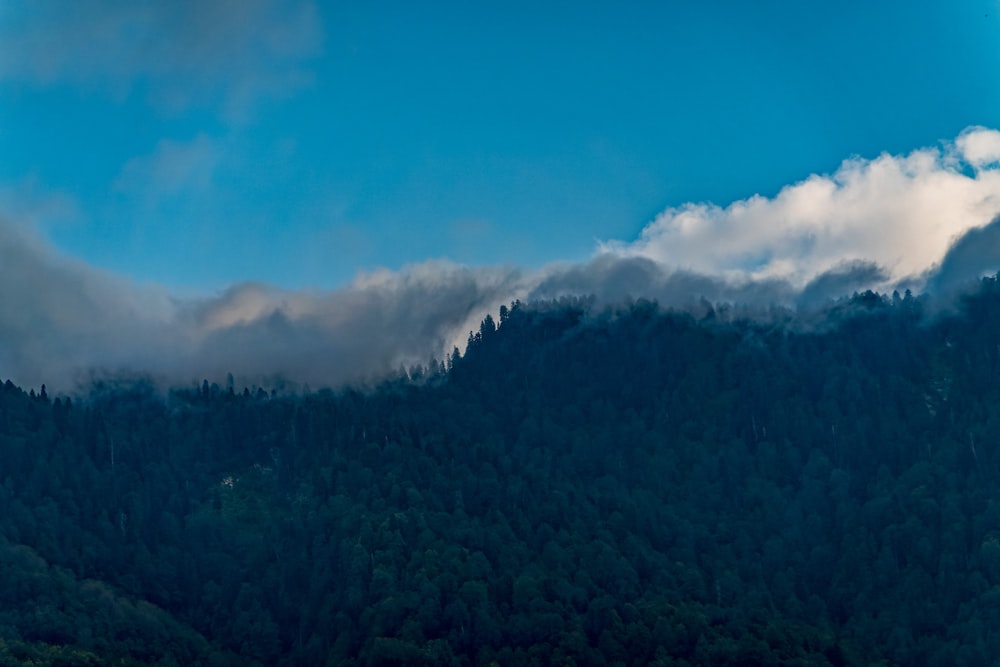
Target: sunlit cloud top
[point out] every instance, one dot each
(899, 211)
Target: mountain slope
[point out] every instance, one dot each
(582, 486)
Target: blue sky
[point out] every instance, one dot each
(196, 145)
(327, 191)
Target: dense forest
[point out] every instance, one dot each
(582, 485)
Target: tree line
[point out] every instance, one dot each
(583, 485)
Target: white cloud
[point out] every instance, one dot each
(872, 221)
(979, 146)
(219, 53)
(899, 211)
(173, 167)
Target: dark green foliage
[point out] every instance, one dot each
(624, 486)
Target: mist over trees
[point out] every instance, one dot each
(583, 484)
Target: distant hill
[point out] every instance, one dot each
(581, 486)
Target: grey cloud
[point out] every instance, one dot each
(219, 53)
(973, 255)
(611, 278)
(63, 322)
(607, 277)
(839, 281)
(59, 316)
(371, 326)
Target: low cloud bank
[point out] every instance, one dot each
(930, 218)
(63, 322)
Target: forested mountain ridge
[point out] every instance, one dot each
(583, 486)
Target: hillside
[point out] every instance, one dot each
(583, 485)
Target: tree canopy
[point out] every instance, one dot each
(583, 486)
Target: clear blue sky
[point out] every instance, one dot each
(196, 145)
